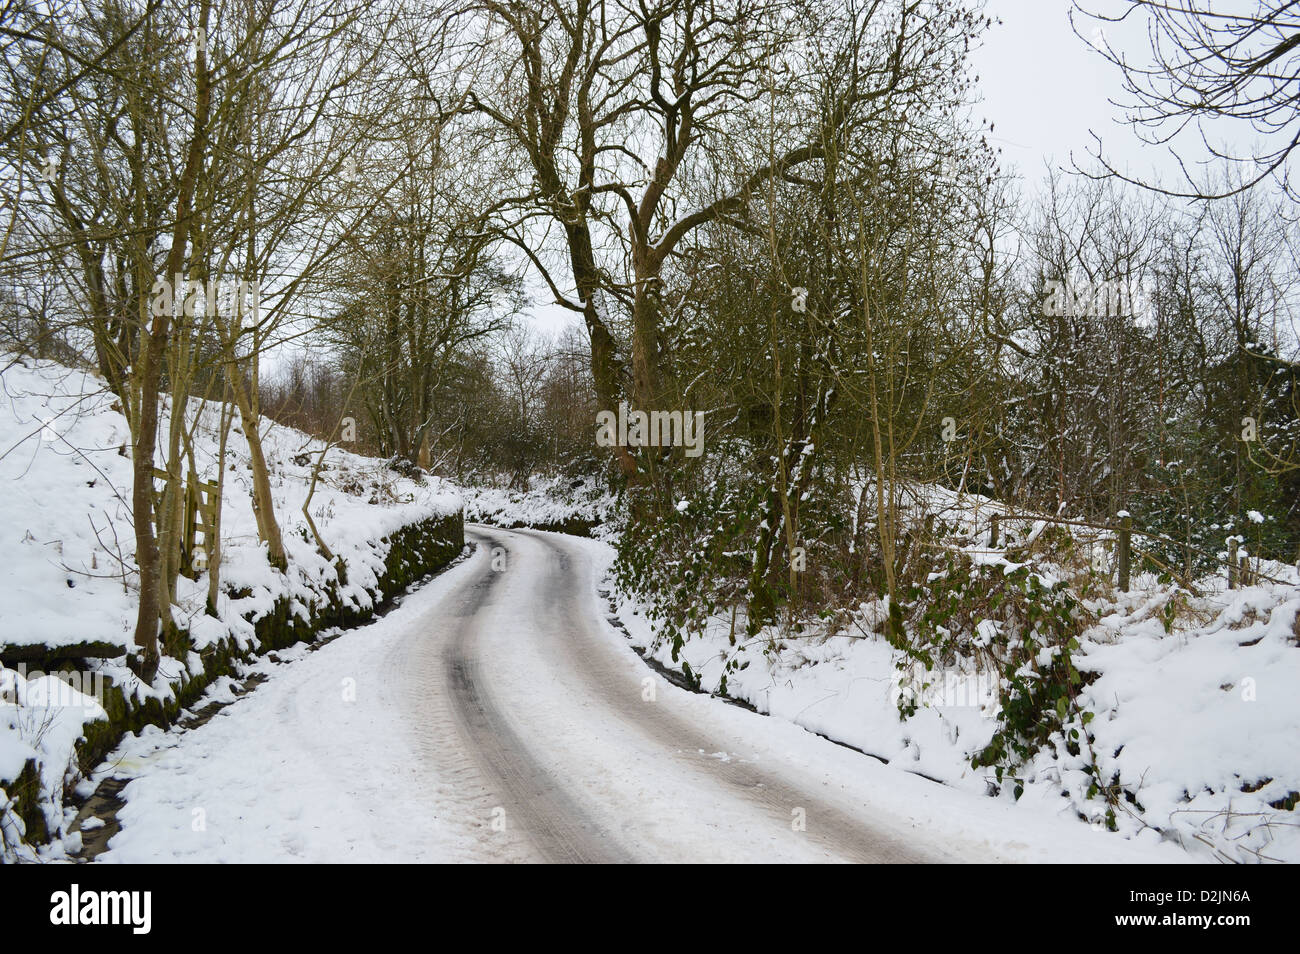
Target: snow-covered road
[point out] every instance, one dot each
(496, 716)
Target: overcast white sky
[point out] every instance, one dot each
(1045, 90)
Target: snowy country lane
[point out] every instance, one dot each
(498, 717)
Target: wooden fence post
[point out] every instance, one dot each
(993, 531)
(1234, 568)
(191, 511)
(1124, 548)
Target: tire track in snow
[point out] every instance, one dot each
(568, 595)
(447, 694)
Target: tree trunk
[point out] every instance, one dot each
(148, 379)
(268, 529)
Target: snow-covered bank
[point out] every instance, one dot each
(338, 781)
(66, 538)
(582, 506)
(1186, 704)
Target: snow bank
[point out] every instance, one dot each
(571, 505)
(67, 542)
(1202, 722)
(1195, 701)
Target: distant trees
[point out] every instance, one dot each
(419, 287)
(1145, 374)
(1088, 370)
(1226, 308)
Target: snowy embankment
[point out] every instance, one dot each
(1193, 701)
(70, 590)
(345, 778)
(583, 506)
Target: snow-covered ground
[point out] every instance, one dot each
(1197, 721)
(1201, 722)
(549, 502)
(341, 778)
(368, 764)
(67, 544)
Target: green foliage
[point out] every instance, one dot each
(1008, 618)
(690, 563)
(1024, 610)
(1203, 479)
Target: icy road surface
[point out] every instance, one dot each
(496, 716)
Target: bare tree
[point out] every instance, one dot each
(1208, 67)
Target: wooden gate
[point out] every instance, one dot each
(199, 517)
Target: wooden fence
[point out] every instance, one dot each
(1240, 572)
(199, 518)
